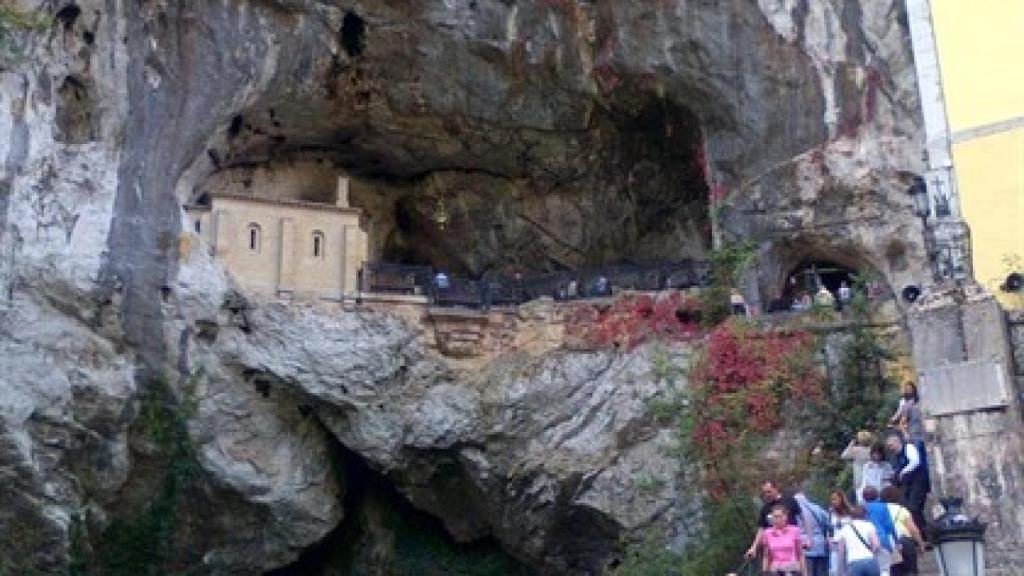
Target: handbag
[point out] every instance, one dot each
(863, 541)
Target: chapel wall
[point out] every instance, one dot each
(304, 251)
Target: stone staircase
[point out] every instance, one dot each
(926, 564)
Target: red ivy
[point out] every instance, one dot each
(633, 320)
(742, 384)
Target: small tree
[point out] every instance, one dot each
(727, 263)
(860, 396)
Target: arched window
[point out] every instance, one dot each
(318, 244)
(254, 237)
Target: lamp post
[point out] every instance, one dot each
(959, 541)
(918, 192)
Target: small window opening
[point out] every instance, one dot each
(254, 237)
(199, 226)
(68, 15)
(318, 244)
(353, 34)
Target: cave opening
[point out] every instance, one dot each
(68, 15)
(353, 34)
(383, 533)
(809, 275)
(77, 115)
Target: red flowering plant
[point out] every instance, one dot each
(632, 320)
(739, 388)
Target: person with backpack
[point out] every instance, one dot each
(815, 525)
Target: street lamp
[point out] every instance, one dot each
(959, 541)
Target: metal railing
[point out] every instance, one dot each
(503, 290)
(390, 278)
(459, 291)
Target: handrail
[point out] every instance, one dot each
(501, 289)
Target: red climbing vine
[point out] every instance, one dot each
(741, 388)
(633, 320)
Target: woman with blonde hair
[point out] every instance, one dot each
(859, 453)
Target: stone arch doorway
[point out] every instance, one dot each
(787, 268)
(809, 275)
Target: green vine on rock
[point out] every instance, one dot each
(15, 23)
(141, 543)
(726, 265)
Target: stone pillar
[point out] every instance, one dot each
(286, 256)
(354, 256)
(973, 415)
(223, 233)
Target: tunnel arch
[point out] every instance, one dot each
(787, 268)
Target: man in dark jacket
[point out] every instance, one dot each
(771, 496)
(910, 475)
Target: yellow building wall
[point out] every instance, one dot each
(284, 259)
(979, 44)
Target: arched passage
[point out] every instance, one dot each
(786, 269)
(809, 275)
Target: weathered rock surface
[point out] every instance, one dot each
(557, 133)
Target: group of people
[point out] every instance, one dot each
(880, 533)
(824, 298)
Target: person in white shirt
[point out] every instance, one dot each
(858, 542)
(844, 294)
(877, 473)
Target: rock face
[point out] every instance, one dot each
(552, 133)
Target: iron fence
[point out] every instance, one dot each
(391, 278)
(459, 291)
(500, 289)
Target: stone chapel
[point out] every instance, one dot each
(287, 248)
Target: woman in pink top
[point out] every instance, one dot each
(783, 546)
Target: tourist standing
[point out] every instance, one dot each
(908, 535)
(783, 546)
(823, 298)
(908, 416)
(910, 475)
(814, 520)
(858, 453)
(772, 496)
(857, 542)
(909, 420)
(736, 303)
(844, 295)
(802, 302)
(878, 473)
(838, 517)
(878, 513)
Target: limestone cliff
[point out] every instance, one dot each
(556, 133)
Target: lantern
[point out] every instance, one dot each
(959, 541)
(918, 192)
